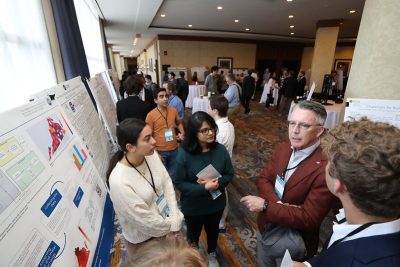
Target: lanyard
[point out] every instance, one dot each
(355, 231)
(151, 174)
(165, 118)
(294, 167)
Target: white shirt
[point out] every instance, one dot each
(297, 157)
(226, 134)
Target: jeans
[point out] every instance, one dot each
(169, 159)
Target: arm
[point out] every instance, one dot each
(149, 121)
(227, 172)
(180, 127)
(181, 178)
(229, 94)
(266, 180)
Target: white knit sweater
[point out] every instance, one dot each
(135, 201)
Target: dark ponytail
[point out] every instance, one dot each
(128, 132)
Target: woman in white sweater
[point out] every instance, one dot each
(140, 187)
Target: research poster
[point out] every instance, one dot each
(52, 198)
(374, 109)
(78, 107)
(106, 106)
(106, 79)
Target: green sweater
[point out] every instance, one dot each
(195, 199)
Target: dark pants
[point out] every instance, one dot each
(194, 225)
(246, 103)
(279, 101)
(169, 160)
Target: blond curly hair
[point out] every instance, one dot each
(365, 155)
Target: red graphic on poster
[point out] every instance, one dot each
(82, 255)
(57, 133)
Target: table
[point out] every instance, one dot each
(195, 91)
(200, 104)
(333, 114)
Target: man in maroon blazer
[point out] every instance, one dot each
(292, 188)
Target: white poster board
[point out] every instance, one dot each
(105, 78)
(52, 198)
(374, 109)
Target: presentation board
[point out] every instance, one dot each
(374, 109)
(54, 206)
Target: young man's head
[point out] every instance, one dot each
(171, 75)
(133, 84)
(147, 79)
(364, 166)
(218, 106)
(306, 124)
(171, 88)
(161, 98)
(214, 70)
(182, 74)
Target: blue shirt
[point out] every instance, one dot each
(175, 102)
(232, 94)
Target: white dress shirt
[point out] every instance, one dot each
(226, 134)
(297, 157)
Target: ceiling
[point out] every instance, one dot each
(265, 19)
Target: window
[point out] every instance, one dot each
(89, 26)
(26, 64)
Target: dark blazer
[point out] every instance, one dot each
(132, 107)
(149, 98)
(373, 251)
(290, 86)
(248, 86)
(306, 188)
(300, 86)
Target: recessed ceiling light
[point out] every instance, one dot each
(220, 7)
(247, 29)
(236, 20)
(289, 0)
(190, 25)
(290, 16)
(162, 15)
(292, 33)
(291, 26)
(352, 11)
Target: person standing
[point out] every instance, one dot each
(174, 101)
(212, 80)
(218, 109)
(150, 85)
(248, 87)
(162, 121)
(290, 86)
(182, 87)
(202, 195)
(138, 181)
(285, 74)
(363, 172)
(293, 196)
(233, 95)
(301, 83)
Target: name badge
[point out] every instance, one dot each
(162, 206)
(279, 186)
(169, 136)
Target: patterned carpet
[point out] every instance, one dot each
(257, 136)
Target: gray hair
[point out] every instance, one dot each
(315, 107)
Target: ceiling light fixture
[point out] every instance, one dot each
(247, 29)
(291, 26)
(190, 25)
(289, 0)
(236, 20)
(220, 8)
(162, 15)
(292, 33)
(352, 11)
(290, 16)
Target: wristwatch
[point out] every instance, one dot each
(265, 206)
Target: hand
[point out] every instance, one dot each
(180, 137)
(253, 203)
(299, 264)
(212, 184)
(203, 180)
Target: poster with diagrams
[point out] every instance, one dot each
(52, 198)
(374, 109)
(77, 106)
(106, 106)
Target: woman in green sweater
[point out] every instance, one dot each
(203, 169)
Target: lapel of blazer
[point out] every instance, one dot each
(305, 169)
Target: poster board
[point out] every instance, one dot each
(54, 207)
(105, 78)
(374, 109)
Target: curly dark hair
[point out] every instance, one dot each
(365, 156)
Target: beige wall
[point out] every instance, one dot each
(198, 54)
(341, 52)
(151, 57)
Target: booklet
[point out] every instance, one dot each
(210, 172)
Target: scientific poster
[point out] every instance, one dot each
(374, 109)
(105, 78)
(52, 198)
(106, 106)
(78, 108)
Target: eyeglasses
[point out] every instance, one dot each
(302, 126)
(207, 130)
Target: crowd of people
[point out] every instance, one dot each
(352, 170)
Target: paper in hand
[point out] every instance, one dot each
(210, 172)
(287, 260)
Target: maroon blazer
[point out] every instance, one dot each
(306, 188)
